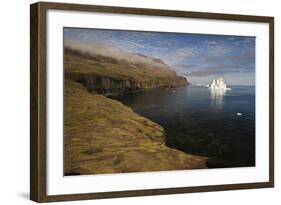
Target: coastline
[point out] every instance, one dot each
(103, 136)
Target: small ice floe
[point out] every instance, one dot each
(239, 114)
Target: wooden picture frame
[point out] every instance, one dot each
(38, 100)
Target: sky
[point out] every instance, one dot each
(199, 57)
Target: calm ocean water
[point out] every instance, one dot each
(202, 122)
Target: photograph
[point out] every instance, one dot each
(146, 101)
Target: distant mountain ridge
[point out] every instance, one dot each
(107, 69)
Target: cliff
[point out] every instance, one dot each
(104, 136)
(107, 74)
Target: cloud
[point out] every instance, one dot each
(216, 48)
(222, 69)
(174, 56)
(219, 57)
(96, 48)
(188, 54)
(183, 53)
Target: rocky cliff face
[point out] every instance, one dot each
(105, 84)
(108, 75)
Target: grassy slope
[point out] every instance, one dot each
(104, 136)
(76, 63)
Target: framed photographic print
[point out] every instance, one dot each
(134, 102)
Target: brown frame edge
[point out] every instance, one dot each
(38, 181)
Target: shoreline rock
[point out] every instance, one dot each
(103, 136)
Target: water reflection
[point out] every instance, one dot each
(217, 98)
(192, 119)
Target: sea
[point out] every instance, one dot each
(219, 125)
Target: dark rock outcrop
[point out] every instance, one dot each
(106, 84)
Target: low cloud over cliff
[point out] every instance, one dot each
(96, 48)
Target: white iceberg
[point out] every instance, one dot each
(219, 84)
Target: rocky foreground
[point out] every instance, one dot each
(104, 136)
